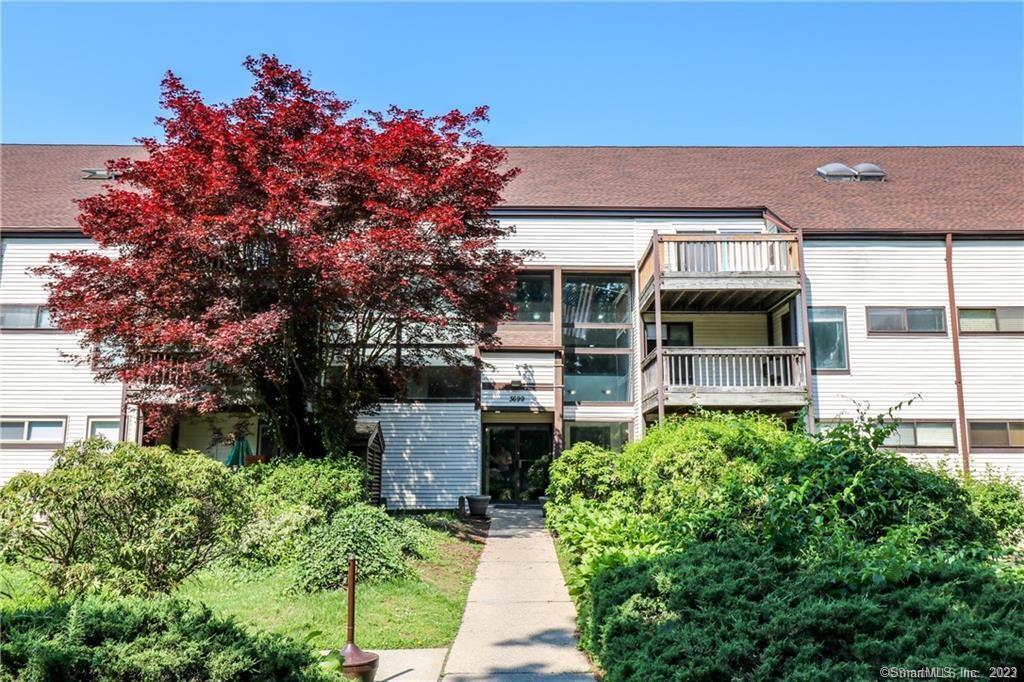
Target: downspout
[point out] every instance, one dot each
(965, 448)
(656, 288)
(123, 429)
(806, 327)
(558, 418)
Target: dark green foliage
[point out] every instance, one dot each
(289, 498)
(123, 518)
(584, 470)
(724, 546)
(379, 543)
(327, 485)
(136, 639)
(736, 610)
(1000, 503)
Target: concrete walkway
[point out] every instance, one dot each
(519, 623)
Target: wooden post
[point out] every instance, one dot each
(658, 359)
(811, 427)
(558, 418)
(954, 321)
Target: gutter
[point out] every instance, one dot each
(965, 447)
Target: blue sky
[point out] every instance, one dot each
(567, 73)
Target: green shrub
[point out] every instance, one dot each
(327, 485)
(123, 518)
(817, 535)
(379, 543)
(736, 610)
(999, 502)
(584, 470)
(141, 639)
(290, 497)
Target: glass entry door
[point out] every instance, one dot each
(516, 459)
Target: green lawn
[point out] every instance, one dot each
(414, 613)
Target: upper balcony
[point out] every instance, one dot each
(768, 377)
(709, 273)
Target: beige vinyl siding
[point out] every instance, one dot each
(39, 374)
(986, 274)
(884, 370)
(431, 453)
(722, 329)
(530, 368)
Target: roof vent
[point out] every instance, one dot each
(869, 172)
(837, 172)
(98, 174)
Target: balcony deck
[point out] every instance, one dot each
(706, 273)
(772, 377)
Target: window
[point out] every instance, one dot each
(596, 327)
(578, 337)
(597, 377)
(828, 338)
(608, 435)
(25, 316)
(109, 428)
(998, 434)
(20, 430)
(673, 334)
(533, 298)
(442, 382)
(913, 320)
(923, 434)
(1003, 319)
(596, 298)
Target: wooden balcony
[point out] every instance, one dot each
(744, 377)
(705, 273)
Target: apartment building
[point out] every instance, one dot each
(772, 279)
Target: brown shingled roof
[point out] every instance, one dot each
(927, 189)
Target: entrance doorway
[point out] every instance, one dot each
(516, 460)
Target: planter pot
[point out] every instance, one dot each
(478, 504)
(543, 499)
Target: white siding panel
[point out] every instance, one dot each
(991, 273)
(19, 255)
(998, 464)
(36, 380)
(606, 242)
(600, 413)
(431, 453)
(536, 369)
(884, 370)
(559, 241)
(37, 375)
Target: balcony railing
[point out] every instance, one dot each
(711, 255)
(767, 369)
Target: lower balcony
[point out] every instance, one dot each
(768, 377)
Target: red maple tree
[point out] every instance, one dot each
(272, 252)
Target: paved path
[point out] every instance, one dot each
(519, 623)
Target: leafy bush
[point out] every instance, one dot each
(141, 639)
(817, 527)
(736, 610)
(290, 497)
(379, 543)
(327, 485)
(1000, 503)
(123, 518)
(584, 470)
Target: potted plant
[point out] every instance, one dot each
(478, 504)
